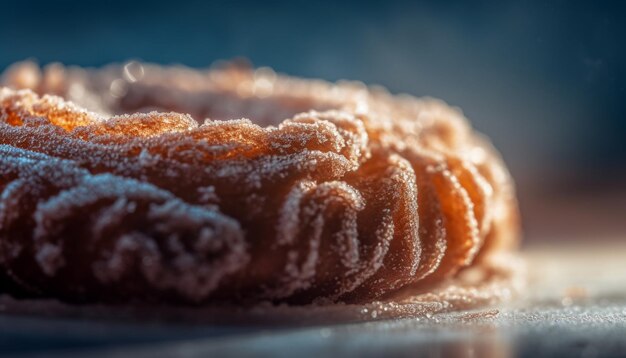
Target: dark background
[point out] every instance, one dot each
(545, 80)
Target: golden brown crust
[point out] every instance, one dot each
(359, 194)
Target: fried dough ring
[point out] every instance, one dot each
(357, 195)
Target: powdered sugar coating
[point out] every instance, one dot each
(357, 195)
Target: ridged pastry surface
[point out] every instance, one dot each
(165, 184)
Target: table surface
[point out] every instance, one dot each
(575, 305)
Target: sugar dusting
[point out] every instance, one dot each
(359, 196)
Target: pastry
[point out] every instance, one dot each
(166, 184)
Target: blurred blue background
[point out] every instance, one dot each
(545, 80)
